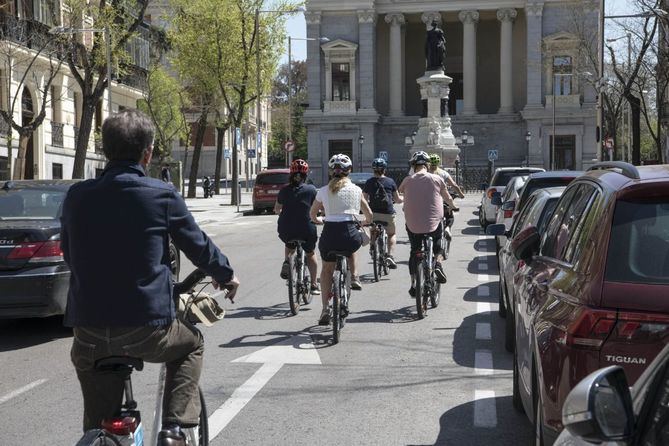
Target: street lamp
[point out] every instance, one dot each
(290, 85)
(107, 34)
(528, 138)
(361, 141)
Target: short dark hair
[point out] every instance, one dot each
(126, 134)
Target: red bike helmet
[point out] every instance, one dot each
(299, 166)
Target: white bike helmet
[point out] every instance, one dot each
(340, 161)
(420, 157)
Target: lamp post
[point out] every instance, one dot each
(361, 141)
(290, 87)
(528, 138)
(465, 141)
(107, 33)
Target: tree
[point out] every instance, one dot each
(32, 57)
(280, 112)
(165, 102)
(87, 60)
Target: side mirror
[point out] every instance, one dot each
(525, 244)
(496, 199)
(509, 205)
(496, 229)
(599, 409)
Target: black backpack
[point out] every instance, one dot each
(378, 200)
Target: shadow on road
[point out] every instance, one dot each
(476, 295)
(278, 311)
(471, 230)
(463, 353)
(398, 316)
(262, 339)
(458, 426)
(485, 245)
(17, 334)
(490, 261)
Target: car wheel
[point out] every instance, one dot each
(516, 399)
(501, 310)
(538, 413)
(481, 217)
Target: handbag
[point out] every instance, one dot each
(201, 307)
(365, 235)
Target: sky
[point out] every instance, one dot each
(296, 27)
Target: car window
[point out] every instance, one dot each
(583, 231)
(542, 183)
(21, 204)
(546, 213)
(639, 244)
(502, 178)
(521, 221)
(655, 430)
(272, 178)
(568, 214)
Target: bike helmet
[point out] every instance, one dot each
(340, 161)
(419, 158)
(379, 163)
(299, 166)
(435, 159)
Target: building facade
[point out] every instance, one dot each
(518, 74)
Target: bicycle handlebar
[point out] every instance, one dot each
(189, 282)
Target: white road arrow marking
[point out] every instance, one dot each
(296, 350)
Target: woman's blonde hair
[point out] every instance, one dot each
(337, 183)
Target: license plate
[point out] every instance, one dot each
(273, 191)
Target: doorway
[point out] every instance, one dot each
(565, 152)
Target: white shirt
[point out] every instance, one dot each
(343, 205)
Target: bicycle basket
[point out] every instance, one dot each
(201, 308)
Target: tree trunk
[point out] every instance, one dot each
(85, 127)
(220, 135)
(234, 190)
(10, 160)
(635, 104)
(20, 166)
(197, 150)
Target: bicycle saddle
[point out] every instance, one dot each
(339, 253)
(117, 363)
(297, 240)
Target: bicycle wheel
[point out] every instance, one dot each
(336, 306)
(375, 259)
(306, 288)
(384, 253)
(420, 290)
(293, 298)
(436, 289)
(199, 435)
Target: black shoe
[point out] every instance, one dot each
(355, 284)
(439, 272)
(315, 290)
(325, 318)
(390, 261)
(412, 291)
(171, 438)
(285, 270)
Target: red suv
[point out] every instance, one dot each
(593, 289)
(267, 186)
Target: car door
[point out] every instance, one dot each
(507, 262)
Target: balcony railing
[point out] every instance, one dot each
(133, 76)
(57, 134)
(4, 127)
(30, 33)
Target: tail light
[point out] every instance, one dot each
(590, 328)
(120, 425)
(508, 208)
(49, 251)
(639, 327)
(508, 214)
(491, 191)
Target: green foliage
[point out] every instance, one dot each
(165, 102)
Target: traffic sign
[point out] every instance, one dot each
(384, 155)
(289, 146)
(227, 154)
(259, 141)
(493, 155)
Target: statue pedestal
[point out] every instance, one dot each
(434, 133)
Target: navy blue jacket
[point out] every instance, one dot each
(115, 239)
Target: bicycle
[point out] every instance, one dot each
(379, 249)
(427, 286)
(126, 428)
(299, 281)
(447, 224)
(341, 290)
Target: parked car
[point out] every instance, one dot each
(267, 186)
(542, 180)
(360, 178)
(501, 177)
(506, 205)
(34, 278)
(602, 409)
(592, 290)
(538, 210)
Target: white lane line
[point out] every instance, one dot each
(483, 291)
(240, 397)
(485, 409)
(483, 307)
(483, 362)
(483, 278)
(483, 331)
(23, 389)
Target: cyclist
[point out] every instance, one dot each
(435, 168)
(380, 192)
(292, 205)
(115, 239)
(424, 194)
(341, 201)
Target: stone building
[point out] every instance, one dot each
(515, 64)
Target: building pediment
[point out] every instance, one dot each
(339, 45)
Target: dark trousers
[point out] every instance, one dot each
(416, 241)
(179, 345)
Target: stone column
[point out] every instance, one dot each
(506, 16)
(534, 13)
(469, 20)
(367, 58)
(395, 63)
(313, 19)
(429, 17)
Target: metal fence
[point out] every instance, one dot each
(470, 179)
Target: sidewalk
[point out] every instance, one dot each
(217, 208)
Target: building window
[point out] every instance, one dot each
(344, 146)
(55, 104)
(57, 171)
(341, 82)
(4, 168)
(43, 11)
(138, 48)
(563, 73)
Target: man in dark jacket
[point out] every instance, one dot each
(115, 238)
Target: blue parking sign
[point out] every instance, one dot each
(384, 155)
(227, 154)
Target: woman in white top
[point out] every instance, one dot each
(341, 202)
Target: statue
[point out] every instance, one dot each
(435, 48)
